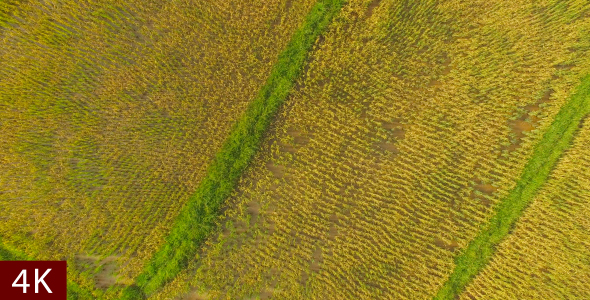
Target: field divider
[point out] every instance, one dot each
(546, 154)
(196, 220)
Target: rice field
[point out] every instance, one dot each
(400, 133)
(111, 112)
(556, 140)
(547, 254)
(393, 150)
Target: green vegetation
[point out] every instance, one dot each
(196, 220)
(555, 141)
(10, 254)
(75, 292)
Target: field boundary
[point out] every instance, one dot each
(547, 152)
(196, 220)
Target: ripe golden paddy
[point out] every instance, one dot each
(414, 119)
(411, 122)
(547, 256)
(111, 112)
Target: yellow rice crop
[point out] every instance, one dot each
(547, 256)
(110, 112)
(414, 119)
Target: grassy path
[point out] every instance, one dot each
(546, 154)
(196, 220)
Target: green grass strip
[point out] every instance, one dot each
(8, 254)
(196, 220)
(75, 292)
(545, 156)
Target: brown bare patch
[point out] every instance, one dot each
(334, 218)
(333, 232)
(395, 129)
(486, 188)
(195, 295)
(266, 294)
(317, 259)
(389, 147)
(520, 126)
(485, 201)
(563, 66)
(371, 7)
(271, 228)
(447, 65)
(304, 277)
(287, 147)
(299, 137)
(105, 277)
(391, 125)
(241, 226)
(253, 208)
(86, 259)
(288, 5)
(512, 147)
(451, 246)
(434, 83)
(277, 171)
(546, 97)
(533, 107)
(398, 133)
